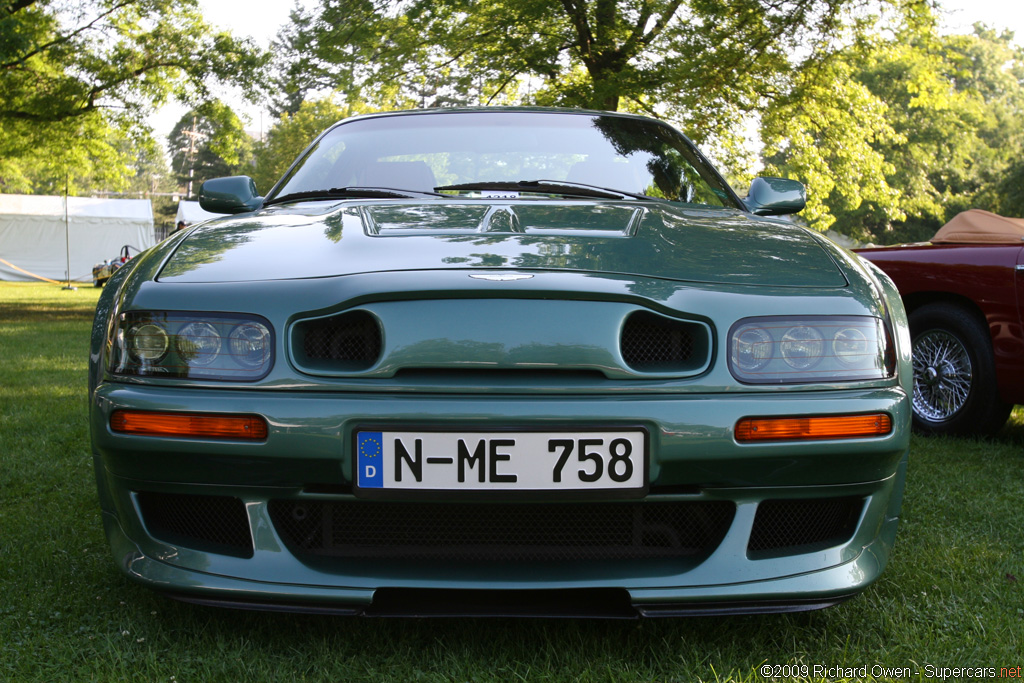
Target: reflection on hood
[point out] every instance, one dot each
(647, 239)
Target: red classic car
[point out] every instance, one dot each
(963, 292)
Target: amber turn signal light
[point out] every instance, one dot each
(812, 428)
(147, 423)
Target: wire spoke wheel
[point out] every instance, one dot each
(943, 375)
(955, 386)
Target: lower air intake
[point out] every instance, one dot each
(501, 532)
(784, 527)
(216, 524)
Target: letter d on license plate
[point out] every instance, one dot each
(506, 461)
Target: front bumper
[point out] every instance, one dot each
(694, 460)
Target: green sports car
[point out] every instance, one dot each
(503, 362)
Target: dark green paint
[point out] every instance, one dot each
(776, 196)
(318, 239)
(234, 194)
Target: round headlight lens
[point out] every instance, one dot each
(147, 342)
(802, 347)
(850, 346)
(752, 349)
(198, 343)
(250, 345)
(189, 344)
(809, 349)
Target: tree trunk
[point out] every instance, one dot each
(606, 91)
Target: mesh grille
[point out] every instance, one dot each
(350, 341)
(213, 523)
(468, 532)
(804, 525)
(651, 343)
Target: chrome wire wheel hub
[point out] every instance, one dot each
(942, 375)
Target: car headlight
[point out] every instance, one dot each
(790, 350)
(223, 346)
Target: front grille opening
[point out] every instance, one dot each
(349, 342)
(654, 343)
(217, 524)
(788, 527)
(501, 532)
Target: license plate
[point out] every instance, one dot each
(506, 461)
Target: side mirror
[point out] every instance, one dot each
(234, 194)
(775, 196)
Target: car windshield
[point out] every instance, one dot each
(506, 154)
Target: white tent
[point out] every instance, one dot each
(32, 234)
(191, 212)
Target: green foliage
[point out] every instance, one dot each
(902, 128)
(292, 55)
(701, 62)
(77, 76)
(147, 165)
(1011, 188)
(824, 133)
(292, 133)
(209, 142)
(66, 59)
(83, 152)
(893, 127)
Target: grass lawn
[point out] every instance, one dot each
(952, 596)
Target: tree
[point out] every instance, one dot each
(1011, 188)
(77, 75)
(292, 133)
(76, 154)
(993, 66)
(148, 169)
(209, 142)
(892, 126)
(65, 60)
(824, 132)
(293, 78)
(702, 63)
(901, 129)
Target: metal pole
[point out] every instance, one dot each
(192, 134)
(67, 237)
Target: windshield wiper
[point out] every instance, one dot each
(562, 187)
(352, 192)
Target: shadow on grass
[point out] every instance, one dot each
(1011, 434)
(662, 649)
(72, 311)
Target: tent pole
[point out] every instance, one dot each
(67, 237)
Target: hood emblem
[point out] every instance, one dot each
(502, 277)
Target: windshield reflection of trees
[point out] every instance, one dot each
(669, 243)
(482, 218)
(428, 217)
(594, 253)
(679, 173)
(672, 246)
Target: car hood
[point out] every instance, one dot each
(325, 239)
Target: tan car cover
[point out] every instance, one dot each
(980, 227)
